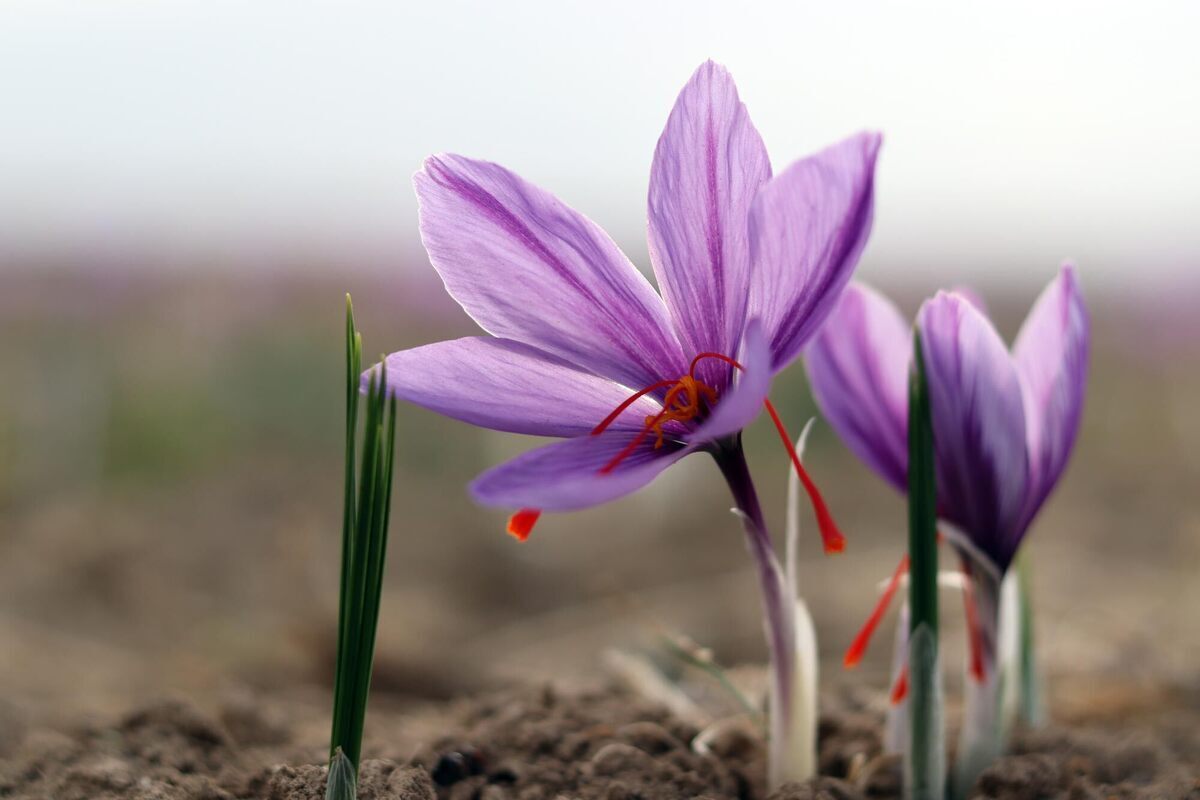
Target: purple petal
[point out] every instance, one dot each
(858, 371)
(528, 268)
(972, 296)
(1051, 354)
(743, 401)
(509, 386)
(808, 227)
(709, 164)
(566, 476)
(978, 425)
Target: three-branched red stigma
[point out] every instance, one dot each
(862, 640)
(687, 400)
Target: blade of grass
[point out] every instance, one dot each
(365, 518)
(353, 368)
(925, 767)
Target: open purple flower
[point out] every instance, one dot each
(1004, 423)
(581, 345)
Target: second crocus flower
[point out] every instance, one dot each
(1004, 425)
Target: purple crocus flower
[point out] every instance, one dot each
(1003, 427)
(1004, 423)
(584, 349)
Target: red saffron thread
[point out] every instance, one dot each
(833, 539)
(863, 640)
(900, 690)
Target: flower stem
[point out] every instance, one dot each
(1031, 711)
(778, 609)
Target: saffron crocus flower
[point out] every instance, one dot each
(1004, 425)
(583, 348)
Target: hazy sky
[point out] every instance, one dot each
(1017, 133)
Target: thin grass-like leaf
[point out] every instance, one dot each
(365, 518)
(925, 766)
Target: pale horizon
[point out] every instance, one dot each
(187, 132)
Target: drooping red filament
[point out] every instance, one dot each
(974, 631)
(859, 646)
(520, 524)
(830, 535)
(900, 689)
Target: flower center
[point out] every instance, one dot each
(686, 399)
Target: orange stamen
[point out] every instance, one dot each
(834, 541)
(858, 647)
(520, 524)
(974, 632)
(900, 690)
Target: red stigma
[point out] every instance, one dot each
(900, 689)
(520, 524)
(830, 535)
(858, 647)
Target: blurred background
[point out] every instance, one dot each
(188, 188)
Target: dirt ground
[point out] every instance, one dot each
(539, 742)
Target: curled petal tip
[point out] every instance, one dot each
(520, 524)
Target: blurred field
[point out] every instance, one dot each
(170, 507)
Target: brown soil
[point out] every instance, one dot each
(540, 743)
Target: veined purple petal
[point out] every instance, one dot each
(743, 400)
(528, 268)
(509, 386)
(708, 166)
(808, 227)
(1051, 354)
(566, 476)
(858, 370)
(978, 424)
